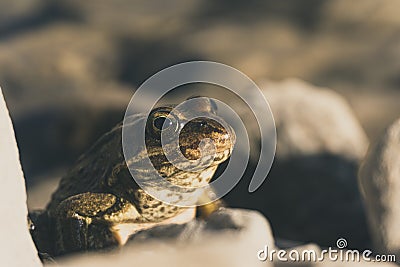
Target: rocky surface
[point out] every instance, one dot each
(380, 183)
(17, 248)
(308, 249)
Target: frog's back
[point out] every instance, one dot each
(90, 172)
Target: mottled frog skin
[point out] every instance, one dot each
(98, 205)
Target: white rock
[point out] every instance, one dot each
(379, 178)
(230, 237)
(17, 248)
(319, 258)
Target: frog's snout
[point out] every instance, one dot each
(199, 129)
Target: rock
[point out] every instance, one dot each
(17, 247)
(374, 13)
(313, 120)
(311, 193)
(15, 12)
(300, 249)
(314, 252)
(379, 178)
(228, 238)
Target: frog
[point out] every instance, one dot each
(98, 206)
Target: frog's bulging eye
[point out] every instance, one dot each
(160, 121)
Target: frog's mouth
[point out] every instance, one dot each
(200, 129)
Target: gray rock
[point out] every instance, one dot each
(311, 193)
(17, 248)
(313, 120)
(379, 178)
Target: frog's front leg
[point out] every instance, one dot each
(82, 222)
(204, 211)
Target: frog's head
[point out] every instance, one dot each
(193, 132)
(191, 135)
(185, 152)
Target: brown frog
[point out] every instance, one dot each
(98, 205)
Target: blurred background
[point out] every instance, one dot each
(69, 68)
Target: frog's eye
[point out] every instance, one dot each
(161, 120)
(158, 123)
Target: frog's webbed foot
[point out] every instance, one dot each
(81, 222)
